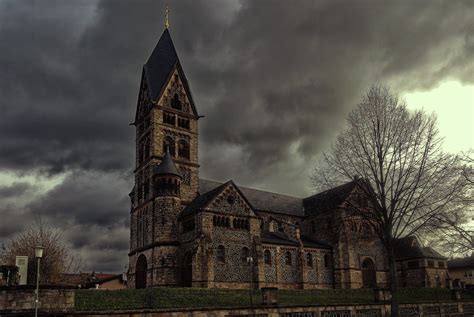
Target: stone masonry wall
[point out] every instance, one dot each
(21, 298)
(234, 269)
(368, 310)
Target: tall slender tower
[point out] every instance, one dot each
(166, 121)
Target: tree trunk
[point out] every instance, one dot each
(394, 302)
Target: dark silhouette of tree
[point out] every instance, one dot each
(454, 231)
(56, 260)
(410, 181)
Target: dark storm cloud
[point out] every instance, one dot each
(15, 189)
(92, 210)
(274, 79)
(87, 198)
(12, 221)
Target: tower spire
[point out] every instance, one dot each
(167, 21)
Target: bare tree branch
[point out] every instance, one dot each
(412, 184)
(56, 260)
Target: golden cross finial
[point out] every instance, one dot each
(167, 21)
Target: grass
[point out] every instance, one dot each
(162, 298)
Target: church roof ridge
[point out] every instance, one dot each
(347, 186)
(262, 200)
(252, 188)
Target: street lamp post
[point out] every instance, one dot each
(38, 256)
(250, 263)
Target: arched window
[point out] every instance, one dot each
(146, 188)
(244, 254)
(353, 226)
(175, 102)
(327, 223)
(288, 258)
(227, 222)
(168, 143)
(140, 153)
(214, 220)
(267, 257)
(365, 230)
(369, 278)
(327, 261)
(141, 270)
(309, 260)
(280, 227)
(234, 223)
(146, 146)
(183, 149)
(313, 227)
(220, 255)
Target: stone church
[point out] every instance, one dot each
(191, 232)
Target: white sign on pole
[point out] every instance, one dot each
(22, 263)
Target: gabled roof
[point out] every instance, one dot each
(409, 248)
(87, 279)
(329, 199)
(277, 238)
(467, 262)
(103, 280)
(202, 200)
(157, 70)
(311, 243)
(167, 166)
(262, 200)
(282, 238)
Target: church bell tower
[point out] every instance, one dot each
(166, 123)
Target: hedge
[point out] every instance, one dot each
(164, 297)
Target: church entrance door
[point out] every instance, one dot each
(140, 272)
(188, 270)
(369, 278)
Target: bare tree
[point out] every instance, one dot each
(454, 231)
(468, 172)
(398, 154)
(56, 259)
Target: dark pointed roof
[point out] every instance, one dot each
(159, 66)
(262, 200)
(410, 248)
(312, 243)
(206, 197)
(167, 166)
(202, 200)
(277, 238)
(467, 262)
(329, 199)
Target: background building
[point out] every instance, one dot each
(461, 271)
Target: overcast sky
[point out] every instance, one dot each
(274, 80)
